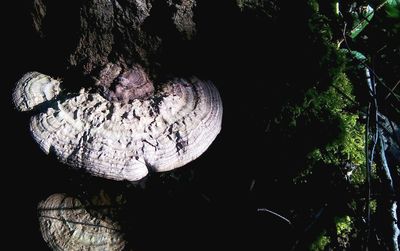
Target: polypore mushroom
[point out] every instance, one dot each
(33, 89)
(66, 225)
(159, 131)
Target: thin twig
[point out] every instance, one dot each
(365, 18)
(312, 223)
(346, 96)
(395, 232)
(366, 66)
(372, 92)
(78, 222)
(368, 171)
(358, 108)
(392, 91)
(276, 214)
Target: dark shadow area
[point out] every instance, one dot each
(259, 63)
(241, 53)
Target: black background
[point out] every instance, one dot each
(211, 204)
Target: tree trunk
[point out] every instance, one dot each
(188, 37)
(89, 34)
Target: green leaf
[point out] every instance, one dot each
(393, 12)
(393, 8)
(362, 16)
(358, 56)
(320, 243)
(393, 3)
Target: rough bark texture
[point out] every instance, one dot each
(163, 36)
(118, 31)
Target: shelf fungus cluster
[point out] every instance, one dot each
(127, 128)
(66, 225)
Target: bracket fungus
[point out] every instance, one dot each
(66, 225)
(131, 128)
(34, 89)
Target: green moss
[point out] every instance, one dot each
(343, 226)
(348, 148)
(320, 243)
(331, 61)
(322, 113)
(313, 5)
(338, 135)
(372, 206)
(251, 4)
(344, 134)
(358, 176)
(344, 230)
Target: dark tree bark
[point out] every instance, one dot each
(166, 37)
(89, 34)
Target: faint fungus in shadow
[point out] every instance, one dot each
(67, 225)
